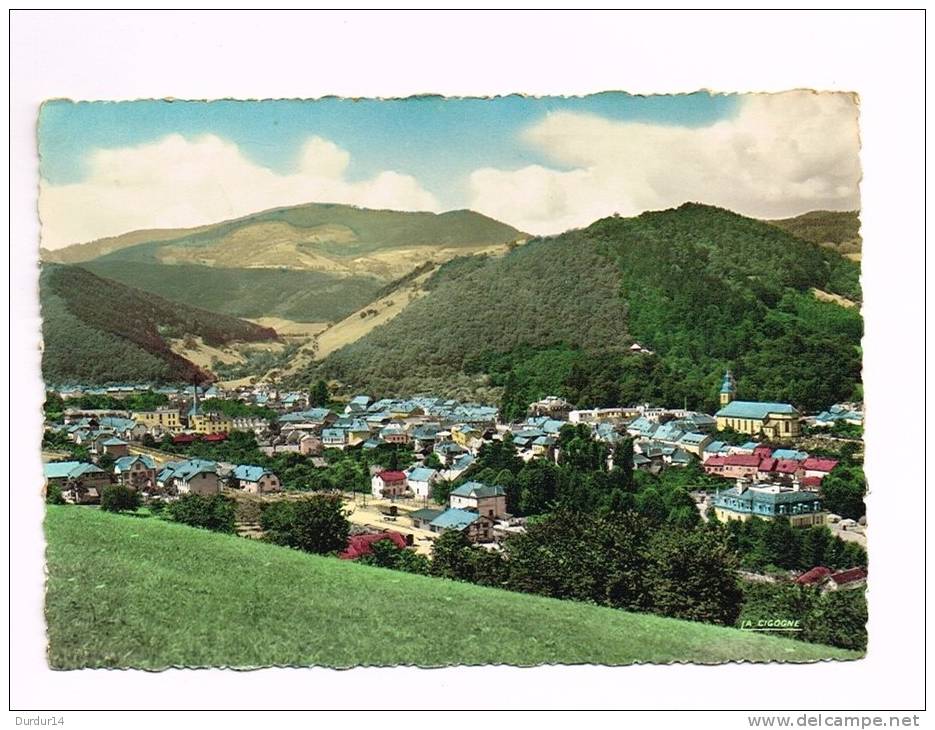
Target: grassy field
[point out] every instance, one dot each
(128, 591)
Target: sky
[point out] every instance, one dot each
(543, 165)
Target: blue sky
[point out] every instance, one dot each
(439, 141)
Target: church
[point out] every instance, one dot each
(774, 421)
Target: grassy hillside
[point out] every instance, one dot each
(301, 296)
(97, 331)
(704, 288)
(839, 230)
(137, 592)
(337, 239)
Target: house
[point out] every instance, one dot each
(194, 476)
(732, 466)
(423, 435)
(466, 436)
(840, 412)
(334, 438)
(447, 451)
(851, 578)
(357, 404)
(769, 501)
(422, 518)
(168, 419)
(477, 527)
(827, 580)
(551, 406)
(310, 444)
(183, 439)
(80, 482)
(793, 454)
(256, 479)
(458, 466)
(114, 447)
(484, 499)
(816, 466)
(206, 423)
(136, 472)
(814, 577)
(544, 446)
(694, 443)
(388, 483)
(394, 433)
(420, 481)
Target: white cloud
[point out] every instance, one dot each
(779, 155)
(177, 182)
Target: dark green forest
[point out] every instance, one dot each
(99, 331)
(703, 288)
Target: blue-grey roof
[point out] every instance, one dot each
(69, 469)
(115, 442)
(478, 490)
(125, 462)
(755, 410)
(187, 469)
(333, 433)
(250, 472)
(793, 454)
(693, 439)
(454, 519)
(421, 474)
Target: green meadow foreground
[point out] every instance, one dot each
(139, 592)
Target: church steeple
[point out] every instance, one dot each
(728, 389)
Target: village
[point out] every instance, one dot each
(765, 473)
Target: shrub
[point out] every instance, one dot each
(53, 495)
(315, 525)
(118, 498)
(211, 513)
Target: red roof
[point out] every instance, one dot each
(813, 576)
(852, 575)
(768, 464)
(763, 451)
(787, 466)
(714, 461)
(186, 438)
(742, 460)
(816, 463)
(811, 482)
(392, 476)
(360, 545)
(220, 436)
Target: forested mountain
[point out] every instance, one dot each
(839, 230)
(703, 288)
(99, 331)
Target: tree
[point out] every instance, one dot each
(581, 557)
(843, 490)
(319, 395)
(451, 556)
(839, 618)
(217, 512)
(693, 575)
(118, 498)
(386, 554)
(53, 494)
(441, 488)
(106, 462)
(316, 525)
